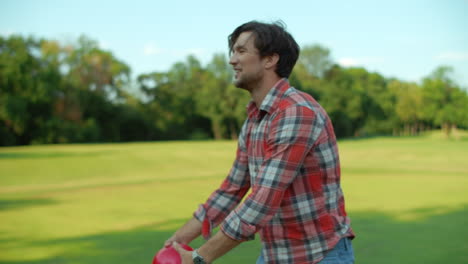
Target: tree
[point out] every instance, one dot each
(56, 93)
(408, 105)
(27, 87)
(376, 101)
(343, 101)
(301, 79)
(172, 100)
(51, 93)
(315, 59)
(94, 83)
(442, 100)
(220, 101)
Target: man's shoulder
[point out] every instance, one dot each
(296, 98)
(300, 104)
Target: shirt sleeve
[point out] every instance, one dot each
(222, 201)
(292, 134)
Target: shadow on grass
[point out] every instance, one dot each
(430, 238)
(11, 204)
(136, 246)
(433, 238)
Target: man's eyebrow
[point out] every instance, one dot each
(239, 46)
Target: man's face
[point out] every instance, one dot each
(246, 61)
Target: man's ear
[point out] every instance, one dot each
(271, 61)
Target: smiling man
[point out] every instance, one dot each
(287, 155)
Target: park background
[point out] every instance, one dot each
(118, 118)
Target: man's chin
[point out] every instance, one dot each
(238, 83)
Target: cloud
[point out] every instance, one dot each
(104, 44)
(359, 61)
(453, 56)
(7, 32)
(348, 62)
(151, 49)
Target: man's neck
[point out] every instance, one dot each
(259, 93)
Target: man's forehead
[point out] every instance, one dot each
(244, 39)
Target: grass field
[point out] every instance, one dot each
(117, 203)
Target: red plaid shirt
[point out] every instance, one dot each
(287, 154)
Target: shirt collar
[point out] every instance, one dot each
(270, 102)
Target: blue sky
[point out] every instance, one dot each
(402, 39)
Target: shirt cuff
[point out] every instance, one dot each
(237, 229)
(201, 216)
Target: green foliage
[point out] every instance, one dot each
(56, 93)
(172, 104)
(315, 59)
(220, 101)
(444, 102)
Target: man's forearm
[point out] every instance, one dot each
(217, 246)
(188, 232)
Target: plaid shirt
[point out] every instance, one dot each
(287, 154)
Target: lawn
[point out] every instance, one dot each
(117, 203)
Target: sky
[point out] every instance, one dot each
(402, 39)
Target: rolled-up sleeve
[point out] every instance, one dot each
(222, 201)
(291, 136)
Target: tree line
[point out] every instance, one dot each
(52, 92)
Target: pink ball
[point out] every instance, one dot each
(169, 255)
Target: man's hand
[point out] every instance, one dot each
(171, 240)
(184, 254)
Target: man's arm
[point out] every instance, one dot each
(214, 248)
(187, 233)
(217, 246)
(291, 137)
(223, 200)
(293, 132)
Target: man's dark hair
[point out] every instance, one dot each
(270, 39)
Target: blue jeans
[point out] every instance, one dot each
(342, 253)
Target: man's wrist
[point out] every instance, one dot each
(197, 258)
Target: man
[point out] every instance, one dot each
(287, 155)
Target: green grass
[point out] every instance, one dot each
(117, 203)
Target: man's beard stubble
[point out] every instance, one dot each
(248, 82)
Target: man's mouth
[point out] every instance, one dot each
(236, 73)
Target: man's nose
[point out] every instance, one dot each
(233, 59)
